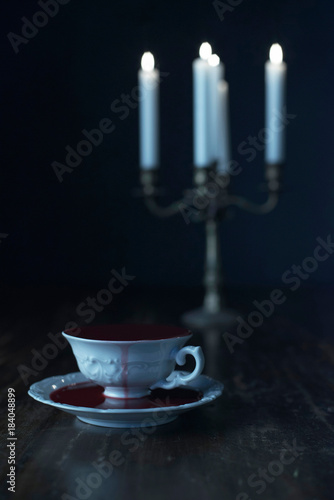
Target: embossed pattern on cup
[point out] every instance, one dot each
(128, 368)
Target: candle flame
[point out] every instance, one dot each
(276, 54)
(214, 60)
(147, 61)
(205, 51)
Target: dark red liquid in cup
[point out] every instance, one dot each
(128, 333)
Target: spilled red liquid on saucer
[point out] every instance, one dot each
(128, 332)
(90, 395)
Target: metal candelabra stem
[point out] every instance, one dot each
(213, 300)
(214, 312)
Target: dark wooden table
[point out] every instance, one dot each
(269, 436)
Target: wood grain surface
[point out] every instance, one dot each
(270, 435)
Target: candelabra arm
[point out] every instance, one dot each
(254, 208)
(150, 192)
(273, 174)
(159, 211)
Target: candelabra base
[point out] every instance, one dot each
(202, 318)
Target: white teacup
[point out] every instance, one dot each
(130, 360)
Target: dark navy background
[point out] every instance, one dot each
(66, 78)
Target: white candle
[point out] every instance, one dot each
(216, 74)
(275, 83)
(201, 108)
(222, 135)
(148, 78)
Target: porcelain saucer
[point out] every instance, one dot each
(119, 413)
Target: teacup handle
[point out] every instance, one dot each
(177, 378)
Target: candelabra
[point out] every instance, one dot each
(212, 187)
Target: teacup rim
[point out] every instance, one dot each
(106, 341)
